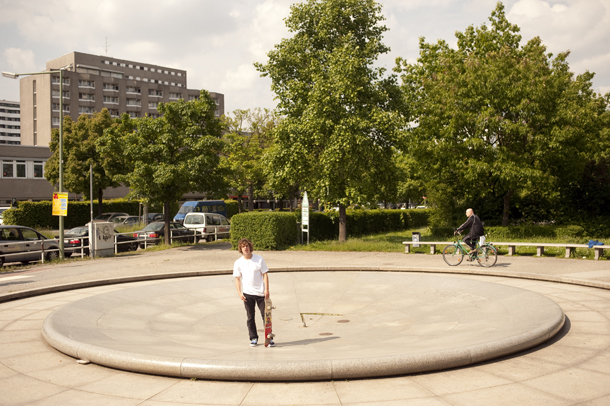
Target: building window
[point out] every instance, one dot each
(110, 99)
(173, 73)
(86, 83)
(175, 96)
(66, 107)
(166, 72)
(131, 66)
(86, 97)
(132, 89)
(7, 169)
(152, 105)
(179, 73)
(193, 97)
(55, 81)
(113, 112)
(134, 102)
(38, 169)
(133, 114)
(85, 110)
(155, 92)
(152, 69)
(55, 93)
(111, 86)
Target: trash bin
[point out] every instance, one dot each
(415, 239)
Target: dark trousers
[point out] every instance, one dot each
(250, 303)
(470, 241)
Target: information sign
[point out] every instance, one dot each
(60, 204)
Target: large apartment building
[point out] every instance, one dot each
(10, 126)
(93, 82)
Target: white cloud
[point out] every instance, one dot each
(20, 60)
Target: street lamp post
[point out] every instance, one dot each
(12, 75)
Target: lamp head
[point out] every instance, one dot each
(10, 75)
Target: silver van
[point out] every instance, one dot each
(210, 225)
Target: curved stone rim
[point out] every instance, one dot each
(301, 370)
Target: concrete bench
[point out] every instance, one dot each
(512, 246)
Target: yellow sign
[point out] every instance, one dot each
(60, 204)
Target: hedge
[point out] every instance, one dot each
(266, 230)
(272, 230)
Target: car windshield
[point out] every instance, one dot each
(154, 227)
(186, 209)
(103, 217)
(78, 230)
(194, 219)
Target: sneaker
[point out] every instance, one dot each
(254, 342)
(271, 344)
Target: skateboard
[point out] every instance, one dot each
(268, 334)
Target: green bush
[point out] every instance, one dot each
(266, 230)
(232, 207)
(40, 214)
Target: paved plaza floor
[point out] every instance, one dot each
(573, 368)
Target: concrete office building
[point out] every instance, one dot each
(91, 83)
(10, 125)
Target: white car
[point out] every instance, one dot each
(211, 226)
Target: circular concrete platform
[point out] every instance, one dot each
(328, 325)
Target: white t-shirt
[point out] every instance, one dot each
(251, 273)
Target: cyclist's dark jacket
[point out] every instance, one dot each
(475, 226)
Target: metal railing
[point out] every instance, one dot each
(83, 249)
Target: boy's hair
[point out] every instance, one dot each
(242, 242)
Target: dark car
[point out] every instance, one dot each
(78, 237)
(126, 220)
(23, 244)
(109, 216)
(154, 233)
(154, 217)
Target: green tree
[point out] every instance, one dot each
(495, 120)
(338, 130)
(166, 157)
(80, 152)
(248, 135)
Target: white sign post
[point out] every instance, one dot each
(305, 217)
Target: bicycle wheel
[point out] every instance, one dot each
(487, 255)
(452, 255)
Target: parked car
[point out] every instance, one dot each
(26, 244)
(154, 233)
(109, 216)
(210, 225)
(153, 217)
(203, 206)
(73, 244)
(126, 220)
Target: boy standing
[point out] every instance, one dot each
(252, 283)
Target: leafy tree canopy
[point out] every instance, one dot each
(166, 157)
(494, 120)
(339, 128)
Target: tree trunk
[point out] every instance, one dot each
(250, 197)
(506, 211)
(239, 203)
(100, 196)
(342, 224)
(166, 217)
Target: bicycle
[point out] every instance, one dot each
(486, 255)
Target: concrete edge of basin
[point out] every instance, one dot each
(301, 370)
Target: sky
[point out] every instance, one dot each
(217, 42)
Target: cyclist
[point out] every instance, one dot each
(476, 230)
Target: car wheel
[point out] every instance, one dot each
(67, 255)
(133, 246)
(52, 255)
